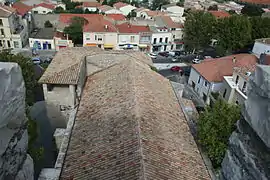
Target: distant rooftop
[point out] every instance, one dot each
(6, 11)
(43, 33)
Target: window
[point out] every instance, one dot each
(35, 12)
(160, 40)
(204, 97)
(224, 93)
(155, 41)
(166, 40)
(49, 87)
(8, 42)
(205, 83)
(1, 22)
(1, 44)
(132, 38)
(199, 79)
(165, 47)
(236, 102)
(173, 29)
(2, 32)
(171, 47)
(87, 39)
(16, 44)
(49, 46)
(244, 86)
(44, 12)
(237, 79)
(99, 38)
(95, 37)
(173, 36)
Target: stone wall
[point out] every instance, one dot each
(15, 164)
(248, 155)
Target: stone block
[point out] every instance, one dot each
(12, 95)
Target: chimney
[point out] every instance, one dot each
(234, 59)
(106, 26)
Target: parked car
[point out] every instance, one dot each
(176, 68)
(153, 55)
(36, 60)
(179, 53)
(196, 61)
(164, 54)
(174, 59)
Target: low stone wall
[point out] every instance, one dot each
(15, 164)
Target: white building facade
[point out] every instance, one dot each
(261, 46)
(104, 40)
(129, 41)
(162, 40)
(127, 9)
(41, 10)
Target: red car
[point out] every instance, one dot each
(176, 68)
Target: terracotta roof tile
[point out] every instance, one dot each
(220, 14)
(105, 8)
(99, 24)
(155, 13)
(119, 5)
(46, 5)
(266, 2)
(213, 70)
(6, 11)
(129, 28)
(116, 17)
(91, 4)
(129, 126)
(169, 22)
(21, 8)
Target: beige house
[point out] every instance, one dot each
(235, 87)
(13, 29)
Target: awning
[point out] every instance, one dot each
(89, 44)
(142, 45)
(108, 45)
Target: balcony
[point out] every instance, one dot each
(241, 91)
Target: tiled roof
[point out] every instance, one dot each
(129, 126)
(21, 8)
(66, 18)
(140, 9)
(46, 5)
(266, 2)
(119, 5)
(6, 11)
(169, 22)
(129, 28)
(155, 13)
(99, 24)
(220, 14)
(105, 8)
(116, 17)
(65, 66)
(213, 70)
(91, 4)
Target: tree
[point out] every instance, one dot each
(252, 10)
(180, 3)
(131, 14)
(215, 126)
(198, 30)
(87, 11)
(75, 29)
(156, 4)
(233, 33)
(232, 12)
(48, 24)
(59, 10)
(105, 2)
(260, 27)
(213, 8)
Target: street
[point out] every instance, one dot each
(161, 59)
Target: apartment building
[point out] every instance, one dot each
(161, 39)
(13, 29)
(130, 36)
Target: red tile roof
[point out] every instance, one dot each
(46, 5)
(129, 28)
(99, 24)
(266, 2)
(220, 14)
(213, 70)
(91, 4)
(66, 18)
(21, 8)
(155, 13)
(116, 17)
(105, 8)
(119, 5)
(170, 23)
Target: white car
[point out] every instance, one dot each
(36, 60)
(153, 55)
(174, 59)
(196, 61)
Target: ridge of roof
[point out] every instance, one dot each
(133, 132)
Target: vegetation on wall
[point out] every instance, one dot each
(215, 126)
